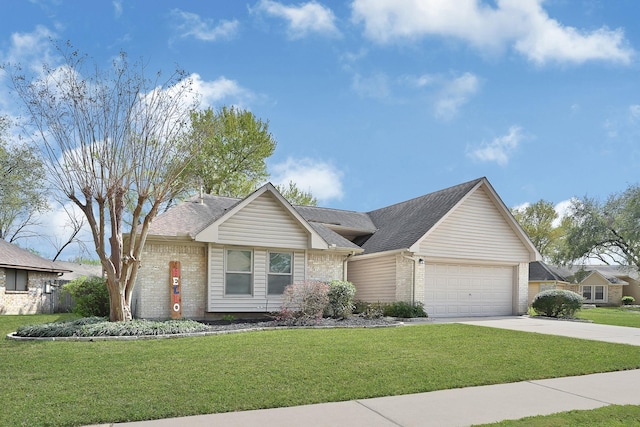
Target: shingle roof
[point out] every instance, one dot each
(538, 270)
(394, 227)
(191, 217)
(403, 224)
(11, 256)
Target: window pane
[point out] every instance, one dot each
(600, 293)
(586, 292)
(277, 283)
(21, 280)
(280, 263)
(238, 284)
(239, 260)
(10, 277)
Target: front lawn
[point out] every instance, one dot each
(617, 316)
(613, 415)
(79, 383)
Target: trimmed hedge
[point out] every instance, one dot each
(557, 303)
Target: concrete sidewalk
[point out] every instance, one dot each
(457, 407)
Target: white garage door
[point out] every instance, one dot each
(453, 290)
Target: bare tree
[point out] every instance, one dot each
(74, 223)
(109, 137)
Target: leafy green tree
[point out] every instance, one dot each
(606, 231)
(537, 221)
(110, 137)
(296, 196)
(234, 145)
(22, 187)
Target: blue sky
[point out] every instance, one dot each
(373, 102)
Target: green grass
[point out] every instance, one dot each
(617, 316)
(614, 415)
(77, 383)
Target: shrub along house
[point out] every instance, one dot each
(25, 280)
(458, 250)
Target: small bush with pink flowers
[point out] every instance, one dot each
(304, 302)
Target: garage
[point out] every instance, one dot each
(458, 290)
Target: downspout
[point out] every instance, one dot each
(344, 266)
(413, 277)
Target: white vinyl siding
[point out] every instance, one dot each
(264, 222)
(475, 230)
(453, 290)
(374, 278)
(259, 301)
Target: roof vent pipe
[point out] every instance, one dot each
(202, 194)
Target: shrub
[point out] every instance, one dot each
(557, 303)
(90, 295)
(340, 295)
(628, 300)
(369, 310)
(405, 309)
(304, 301)
(100, 326)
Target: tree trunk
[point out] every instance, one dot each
(119, 309)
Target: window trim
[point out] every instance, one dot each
(592, 291)
(269, 273)
(250, 273)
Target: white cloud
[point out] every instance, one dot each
(302, 20)
(454, 94)
(563, 209)
(221, 90)
(319, 177)
(32, 49)
(375, 86)
(117, 8)
(192, 25)
(449, 93)
(521, 24)
(634, 112)
(500, 149)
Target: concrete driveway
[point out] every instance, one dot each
(584, 330)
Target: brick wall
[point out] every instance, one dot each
(404, 278)
(325, 266)
(152, 298)
(32, 300)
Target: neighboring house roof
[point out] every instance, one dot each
(539, 271)
(12, 256)
(76, 270)
(395, 227)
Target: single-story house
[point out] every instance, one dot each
(25, 280)
(459, 251)
(600, 285)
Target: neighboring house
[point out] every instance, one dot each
(600, 285)
(459, 251)
(25, 280)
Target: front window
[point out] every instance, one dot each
(279, 272)
(239, 272)
(592, 293)
(16, 280)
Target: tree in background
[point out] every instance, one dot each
(537, 221)
(22, 187)
(234, 146)
(232, 161)
(108, 138)
(296, 196)
(608, 232)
